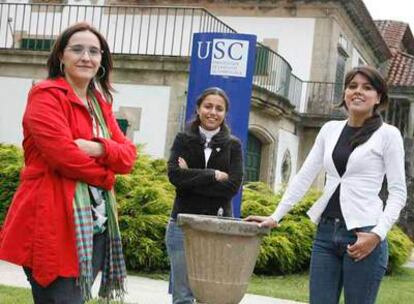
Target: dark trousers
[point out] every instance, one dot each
(65, 290)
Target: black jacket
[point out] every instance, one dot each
(197, 190)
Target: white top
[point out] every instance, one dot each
(209, 135)
(382, 154)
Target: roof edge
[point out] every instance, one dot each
(363, 20)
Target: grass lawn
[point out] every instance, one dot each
(14, 295)
(395, 289)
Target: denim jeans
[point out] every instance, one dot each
(66, 290)
(179, 286)
(332, 268)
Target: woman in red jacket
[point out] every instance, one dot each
(62, 224)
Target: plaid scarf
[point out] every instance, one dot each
(114, 271)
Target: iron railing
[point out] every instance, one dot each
(295, 92)
(146, 30)
(143, 30)
(321, 97)
(272, 71)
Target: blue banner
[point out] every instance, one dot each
(226, 61)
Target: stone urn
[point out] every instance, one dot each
(220, 253)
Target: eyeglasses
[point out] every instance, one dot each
(80, 50)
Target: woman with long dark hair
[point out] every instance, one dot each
(62, 225)
(206, 168)
(350, 248)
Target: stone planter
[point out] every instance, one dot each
(221, 254)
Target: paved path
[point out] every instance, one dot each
(140, 290)
(410, 263)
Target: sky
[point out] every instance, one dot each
(398, 10)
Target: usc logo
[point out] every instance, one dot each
(223, 49)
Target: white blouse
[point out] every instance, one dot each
(208, 135)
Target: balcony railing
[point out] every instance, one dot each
(322, 98)
(272, 71)
(147, 30)
(144, 30)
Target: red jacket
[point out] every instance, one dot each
(39, 229)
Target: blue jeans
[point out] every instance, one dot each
(332, 268)
(179, 286)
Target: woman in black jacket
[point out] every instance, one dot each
(206, 168)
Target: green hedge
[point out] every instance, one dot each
(145, 198)
(144, 203)
(11, 161)
(400, 248)
(287, 249)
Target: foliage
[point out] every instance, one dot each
(258, 199)
(11, 160)
(145, 198)
(399, 247)
(287, 249)
(144, 203)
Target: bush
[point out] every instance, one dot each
(288, 248)
(400, 247)
(11, 161)
(144, 203)
(145, 199)
(258, 199)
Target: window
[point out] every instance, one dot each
(253, 159)
(48, 1)
(286, 167)
(339, 76)
(36, 44)
(47, 5)
(343, 42)
(340, 67)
